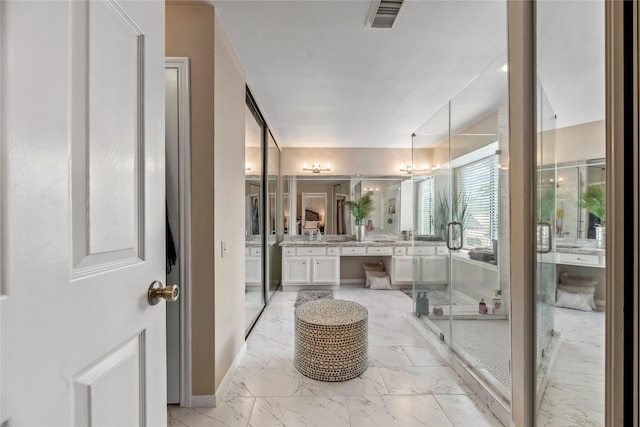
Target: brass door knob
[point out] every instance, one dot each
(158, 291)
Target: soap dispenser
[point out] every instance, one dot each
(482, 307)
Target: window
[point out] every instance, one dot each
(478, 184)
(425, 214)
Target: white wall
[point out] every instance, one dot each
(229, 159)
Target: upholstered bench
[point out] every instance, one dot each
(331, 339)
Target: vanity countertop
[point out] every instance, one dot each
(578, 246)
(256, 241)
(342, 240)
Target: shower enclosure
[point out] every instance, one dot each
(461, 198)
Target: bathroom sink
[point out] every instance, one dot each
(567, 247)
(337, 240)
(428, 238)
(384, 241)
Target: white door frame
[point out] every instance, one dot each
(184, 185)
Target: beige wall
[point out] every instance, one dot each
(581, 142)
(217, 156)
(189, 32)
(229, 127)
(476, 136)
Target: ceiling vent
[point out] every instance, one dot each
(383, 13)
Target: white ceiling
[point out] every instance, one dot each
(324, 79)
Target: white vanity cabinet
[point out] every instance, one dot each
(401, 269)
(253, 265)
(325, 270)
(296, 270)
(433, 269)
(310, 266)
(587, 260)
(429, 263)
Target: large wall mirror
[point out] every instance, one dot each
(273, 217)
(253, 218)
(318, 202)
(568, 182)
(263, 217)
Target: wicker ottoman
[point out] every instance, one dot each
(331, 339)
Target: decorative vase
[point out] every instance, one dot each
(601, 236)
(360, 230)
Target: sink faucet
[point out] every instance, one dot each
(311, 233)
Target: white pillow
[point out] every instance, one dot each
(574, 300)
(567, 279)
(379, 266)
(368, 274)
(581, 289)
(380, 282)
(311, 224)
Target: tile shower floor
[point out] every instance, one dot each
(407, 382)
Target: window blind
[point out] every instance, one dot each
(426, 196)
(478, 182)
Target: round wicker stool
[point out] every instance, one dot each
(331, 339)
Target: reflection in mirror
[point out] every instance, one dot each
(385, 195)
(570, 180)
(254, 296)
(273, 259)
(341, 195)
(314, 209)
(319, 204)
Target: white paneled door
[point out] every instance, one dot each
(82, 196)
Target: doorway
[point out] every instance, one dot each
(177, 151)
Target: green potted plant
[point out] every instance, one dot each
(459, 211)
(360, 210)
(593, 199)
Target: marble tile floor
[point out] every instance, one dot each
(575, 394)
(407, 382)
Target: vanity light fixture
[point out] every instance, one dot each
(316, 168)
(410, 168)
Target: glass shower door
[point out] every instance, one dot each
(479, 201)
(428, 255)
(548, 216)
(460, 199)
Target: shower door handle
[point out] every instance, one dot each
(450, 245)
(544, 236)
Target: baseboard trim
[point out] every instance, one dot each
(203, 401)
(231, 370)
